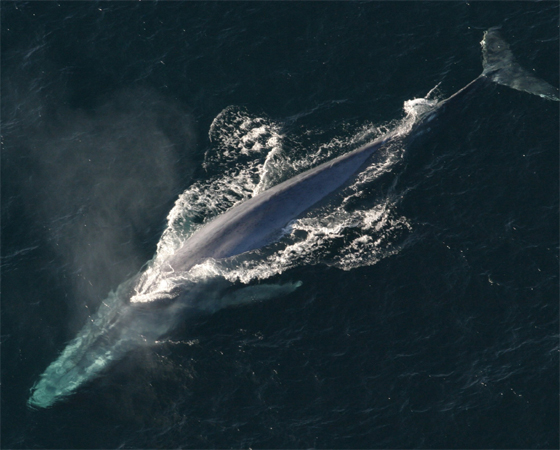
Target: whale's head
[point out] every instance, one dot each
(117, 328)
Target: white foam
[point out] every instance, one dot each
(248, 156)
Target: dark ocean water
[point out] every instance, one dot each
(443, 334)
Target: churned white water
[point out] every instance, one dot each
(249, 156)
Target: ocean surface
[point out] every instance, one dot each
(427, 315)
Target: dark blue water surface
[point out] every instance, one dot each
(449, 342)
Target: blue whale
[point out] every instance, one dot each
(121, 325)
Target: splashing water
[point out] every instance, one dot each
(249, 157)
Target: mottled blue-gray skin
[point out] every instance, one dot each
(121, 326)
(259, 220)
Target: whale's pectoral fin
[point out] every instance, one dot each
(501, 67)
(259, 292)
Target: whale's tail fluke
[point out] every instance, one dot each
(501, 67)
